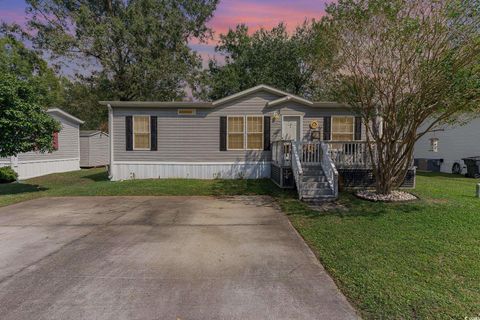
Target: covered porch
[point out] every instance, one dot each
(336, 164)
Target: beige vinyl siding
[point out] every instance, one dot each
(68, 144)
(197, 138)
(84, 152)
(94, 150)
(191, 138)
(99, 150)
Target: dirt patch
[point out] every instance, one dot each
(437, 201)
(326, 206)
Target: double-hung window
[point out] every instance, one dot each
(245, 132)
(343, 128)
(236, 133)
(141, 132)
(254, 132)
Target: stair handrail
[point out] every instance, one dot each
(329, 169)
(297, 167)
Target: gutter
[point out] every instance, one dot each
(110, 135)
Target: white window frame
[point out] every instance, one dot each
(228, 131)
(149, 132)
(331, 127)
(246, 131)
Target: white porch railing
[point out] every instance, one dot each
(349, 153)
(343, 153)
(309, 152)
(329, 169)
(282, 153)
(297, 169)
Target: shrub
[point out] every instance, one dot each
(7, 175)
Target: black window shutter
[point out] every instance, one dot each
(358, 128)
(223, 133)
(153, 133)
(128, 133)
(327, 128)
(266, 133)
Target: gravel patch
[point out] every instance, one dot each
(395, 196)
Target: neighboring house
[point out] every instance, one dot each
(94, 149)
(261, 132)
(65, 157)
(442, 149)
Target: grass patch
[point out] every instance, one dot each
(393, 261)
(417, 260)
(94, 182)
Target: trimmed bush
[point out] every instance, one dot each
(7, 175)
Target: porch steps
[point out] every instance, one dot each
(315, 185)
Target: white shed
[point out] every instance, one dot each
(65, 156)
(94, 149)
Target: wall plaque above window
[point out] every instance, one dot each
(186, 112)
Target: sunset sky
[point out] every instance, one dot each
(254, 13)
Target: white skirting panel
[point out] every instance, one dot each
(145, 170)
(4, 164)
(32, 169)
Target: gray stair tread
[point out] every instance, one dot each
(314, 179)
(317, 193)
(314, 184)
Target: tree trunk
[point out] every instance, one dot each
(392, 166)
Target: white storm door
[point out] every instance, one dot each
(291, 128)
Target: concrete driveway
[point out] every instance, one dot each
(159, 258)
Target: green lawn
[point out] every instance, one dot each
(393, 261)
(94, 182)
(403, 261)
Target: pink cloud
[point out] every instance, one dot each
(13, 16)
(267, 15)
(255, 15)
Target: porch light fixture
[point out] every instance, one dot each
(276, 116)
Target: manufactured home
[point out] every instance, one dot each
(94, 148)
(443, 148)
(66, 154)
(258, 133)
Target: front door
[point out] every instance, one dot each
(291, 128)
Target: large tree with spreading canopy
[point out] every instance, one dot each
(274, 57)
(400, 64)
(133, 49)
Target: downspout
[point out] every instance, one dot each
(110, 135)
(14, 164)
